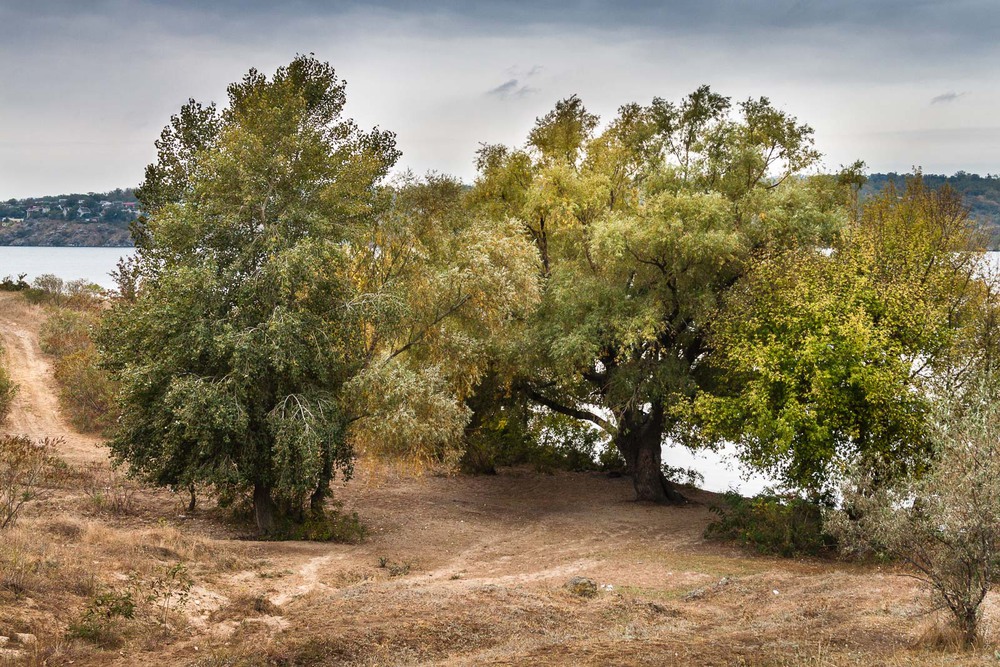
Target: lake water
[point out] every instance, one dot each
(720, 469)
(93, 264)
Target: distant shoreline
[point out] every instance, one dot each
(35, 245)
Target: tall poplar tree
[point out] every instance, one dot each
(284, 295)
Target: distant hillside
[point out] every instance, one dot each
(981, 194)
(102, 218)
(91, 219)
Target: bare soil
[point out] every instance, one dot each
(456, 570)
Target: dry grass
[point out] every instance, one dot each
(488, 562)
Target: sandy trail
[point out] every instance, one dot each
(36, 410)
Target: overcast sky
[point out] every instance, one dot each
(85, 87)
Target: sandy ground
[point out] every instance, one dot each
(455, 571)
(36, 408)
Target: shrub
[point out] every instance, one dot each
(110, 491)
(22, 466)
(331, 525)
(86, 392)
(136, 604)
(9, 284)
(102, 621)
(8, 391)
(945, 524)
(783, 525)
(66, 332)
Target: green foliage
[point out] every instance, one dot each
(329, 524)
(117, 612)
(101, 621)
(782, 525)
(832, 357)
(86, 392)
(981, 194)
(506, 430)
(684, 476)
(9, 284)
(287, 307)
(642, 229)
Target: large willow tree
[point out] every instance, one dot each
(285, 303)
(642, 230)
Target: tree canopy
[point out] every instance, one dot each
(835, 357)
(283, 293)
(642, 230)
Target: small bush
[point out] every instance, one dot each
(65, 332)
(772, 524)
(102, 621)
(329, 525)
(23, 463)
(395, 569)
(9, 284)
(8, 392)
(110, 491)
(944, 524)
(51, 289)
(116, 612)
(86, 392)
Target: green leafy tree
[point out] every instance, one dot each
(642, 230)
(282, 292)
(835, 356)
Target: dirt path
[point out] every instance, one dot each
(36, 410)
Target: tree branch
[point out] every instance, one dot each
(575, 413)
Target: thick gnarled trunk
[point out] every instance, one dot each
(264, 509)
(639, 440)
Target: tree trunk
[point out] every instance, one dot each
(639, 441)
(968, 624)
(264, 509)
(319, 495)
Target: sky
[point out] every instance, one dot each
(86, 86)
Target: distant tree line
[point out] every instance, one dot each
(981, 194)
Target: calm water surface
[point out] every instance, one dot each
(720, 469)
(93, 264)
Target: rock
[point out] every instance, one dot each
(699, 593)
(4, 640)
(582, 587)
(25, 638)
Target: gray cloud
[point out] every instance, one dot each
(88, 85)
(944, 98)
(516, 86)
